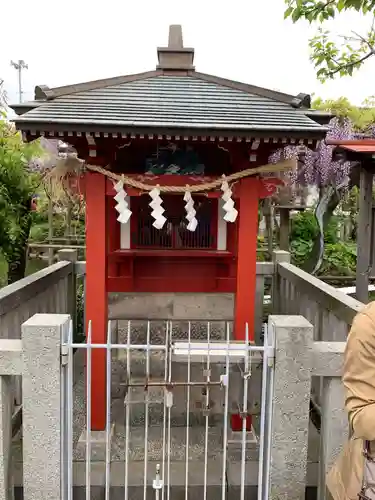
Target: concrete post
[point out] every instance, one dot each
(334, 429)
(284, 227)
(278, 256)
(71, 255)
(291, 399)
(6, 404)
(41, 388)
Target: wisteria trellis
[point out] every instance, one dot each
(322, 169)
(319, 167)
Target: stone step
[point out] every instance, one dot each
(136, 448)
(137, 413)
(199, 330)
(177, 478)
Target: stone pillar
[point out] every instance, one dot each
(284, 228)
(290, 413)
(10, 365)
(41, 389)
(334, 429)
(363, 270)
(6, 404)
(278, 256)
(71, 255)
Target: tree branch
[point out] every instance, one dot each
(319, 8)
(316, 9)
(364, 40)
(350, 64)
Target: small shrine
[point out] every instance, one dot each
(175, 163)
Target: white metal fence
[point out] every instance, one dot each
(206, 365)
(49, 460)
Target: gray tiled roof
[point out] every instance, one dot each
(173, 102)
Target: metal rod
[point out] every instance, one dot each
(194, 347)
(261, 466)
(146, 414)
(171, 384)
(127, 418)
(88, 415)
(63, 435)
(125, 347)
(70, 412)
(54, 245)
(164, 405)
(207, 410)
(225, 423)
(169, 415)
(244, 417)
(108, 414)
(187, 416)
(269, 414)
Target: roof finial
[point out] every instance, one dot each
(175, 37)
(175, 57)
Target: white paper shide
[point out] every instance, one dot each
(230, 212)
(190, 212)
(122, 206)
(157, 209)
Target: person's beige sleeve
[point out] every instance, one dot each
(359, 374)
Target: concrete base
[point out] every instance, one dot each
(177, 481)
(184, 306)
(98, 440)
(176, 492)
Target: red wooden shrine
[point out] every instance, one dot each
(172, 126)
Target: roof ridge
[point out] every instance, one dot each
(43, 92)
(301, 100)
(46, 93)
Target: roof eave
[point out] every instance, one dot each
(24, 107)
(321, 117)
(315, 132)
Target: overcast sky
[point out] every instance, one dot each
(246, 40)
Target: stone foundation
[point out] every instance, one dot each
(162, 306)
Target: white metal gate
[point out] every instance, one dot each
(219, 369)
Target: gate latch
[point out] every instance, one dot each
(157, 483)
(64, 355)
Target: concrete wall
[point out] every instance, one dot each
(183, 306)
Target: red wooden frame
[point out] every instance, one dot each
(110, 269)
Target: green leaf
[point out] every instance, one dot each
(288, 11)
(296, 14)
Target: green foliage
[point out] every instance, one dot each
(361, 116)
(304, 226)
(339, 258)
(3, 271)
(304, 230)
(334, 57)
(300, 249)
(17, 187)
(80, 333)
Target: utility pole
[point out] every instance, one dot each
(19, 66)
